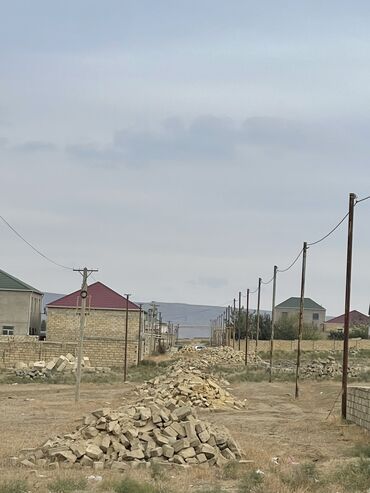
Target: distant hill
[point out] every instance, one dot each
(194, 320)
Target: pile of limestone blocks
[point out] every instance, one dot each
(326, 368)
(61, 364)
(181, 386)
(133, 436)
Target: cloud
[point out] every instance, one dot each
(209, 282)
(35, 146)
(213, 141)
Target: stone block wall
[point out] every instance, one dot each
(101, 351)
(64, 324)
(358, 406)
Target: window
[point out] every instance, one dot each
(8, 330)
(315, 316)
(284, 315)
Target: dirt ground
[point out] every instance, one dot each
(274, 430)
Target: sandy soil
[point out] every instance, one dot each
(274, 424)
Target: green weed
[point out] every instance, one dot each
(67, 485)
(15, 486)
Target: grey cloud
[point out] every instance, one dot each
(35, 146)
(209, 282)
(214, 141)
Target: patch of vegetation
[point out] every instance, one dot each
(361, 450)
(157, 472)
(252, 483)
(146, 370)
(212, 489)
(67, 485)
(14, 486)
(354, 477)
(260, 375)
(304, 476)
(233, 470)
(129, 485)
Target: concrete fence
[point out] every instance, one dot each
(358, 406)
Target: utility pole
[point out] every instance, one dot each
(258, 313)
(83, 295)
(239, 316)
(228, 325)
(300, 324)
(272, 321)
(352, 198)
(126, 339)
(247, 329)
(234, 322)
(140, 329)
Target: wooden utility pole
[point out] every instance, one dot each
(246, 329)
(126, 339)
(234, 322)
(258, 313)
(300, 323)
(83, 295)
(140, 333)
(239, 316)
(272, 321)
(228, 325)
(352, 198)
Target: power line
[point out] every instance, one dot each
(293, 263)
(34, 248)
(362, 200)
(268, 282)
(330, 232)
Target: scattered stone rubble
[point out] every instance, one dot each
(188, 386)
(326, 368)
(218, 356)
(62, 364)
(135, 435)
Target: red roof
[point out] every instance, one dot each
(99, 296)
(355, 317)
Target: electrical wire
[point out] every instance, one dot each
(362, 200)
(293, 263)
(330, 232)
(267, 282)
(34, 248)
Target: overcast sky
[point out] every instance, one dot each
(185, 147)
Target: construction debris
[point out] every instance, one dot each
(134, 435)
(55, 366)
(326, 368)
(188, 386)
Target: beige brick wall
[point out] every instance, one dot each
(64, 324)
(101, 351)
(306, 345)
(358, 406)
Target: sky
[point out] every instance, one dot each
(184, 148)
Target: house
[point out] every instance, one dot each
(20, 307)
(105, 320)
(313, 313)
(356, 319)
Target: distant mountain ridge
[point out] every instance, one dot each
(194, 320)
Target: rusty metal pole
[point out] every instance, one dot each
(246, 329)
(258, 313)
(229, 325)
(239, 315)
(352, 198)
(272, 321)
(126, 339)
(300, 324)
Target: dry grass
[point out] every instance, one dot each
(293, 444)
